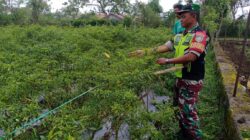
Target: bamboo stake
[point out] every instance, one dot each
(172, 69)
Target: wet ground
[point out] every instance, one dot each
(228, 55)
(149, 101)
(233, 49)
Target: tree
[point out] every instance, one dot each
(4, 16)
(73, 7)
(114, 6)
(10, 5)
(102, 5)
(170, 18)
(189, 1)
(120, 6)
(146, 15)
(180, 1)
(221, 11)
(155, 6)
(234, 5)
(208, 21)
(3, 6)
(20, 15)
(38, 7)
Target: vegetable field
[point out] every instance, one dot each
(44, 67)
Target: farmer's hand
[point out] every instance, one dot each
(163, 61)
(137, 53)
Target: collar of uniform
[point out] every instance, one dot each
(193, 28)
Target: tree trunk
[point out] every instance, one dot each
(218, 32)
(102, 6)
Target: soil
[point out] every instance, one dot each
(233, 49)
(240, 105)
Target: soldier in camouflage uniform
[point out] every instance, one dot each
(190, 50)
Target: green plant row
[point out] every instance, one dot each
(60, 63)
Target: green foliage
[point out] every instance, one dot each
(20, 16)
(148, 17)
(61, 63)
(92, 21)
(72, 8)
(160, 125)
(211, 107)
(170, 18)
(208, 18)
(114, 6)
(245, 134)
(38, 7)
(4, 19)
(234, 29)
(221, 7)
(155, 6)
(217, 11)
(127, 22)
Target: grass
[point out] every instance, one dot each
(210, 110)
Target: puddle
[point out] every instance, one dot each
(108, 133)
(1, 133)
(149, 99)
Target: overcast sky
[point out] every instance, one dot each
(166, 4)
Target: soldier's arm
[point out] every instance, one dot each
(197, 47)
(168, 46)
(179, 60)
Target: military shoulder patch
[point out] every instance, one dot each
(199, 37)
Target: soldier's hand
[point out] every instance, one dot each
(162, 61)
(137, 53)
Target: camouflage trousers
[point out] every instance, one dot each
(187, 92)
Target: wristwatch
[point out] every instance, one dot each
(167, 61)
